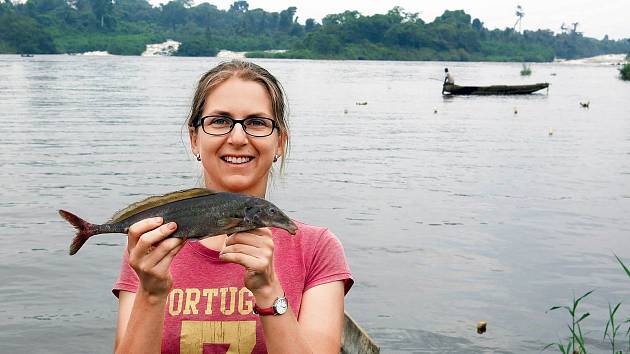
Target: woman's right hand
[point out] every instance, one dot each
(151, 256)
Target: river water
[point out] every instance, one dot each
(451, 210)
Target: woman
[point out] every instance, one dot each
(230, 292)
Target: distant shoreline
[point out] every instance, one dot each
(605, 59)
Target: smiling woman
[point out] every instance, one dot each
(257, 291)
(237, 157)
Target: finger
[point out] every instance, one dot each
(249, 238)
(136, 230)
(165, 262)
(150, 238)
(261, 231)
(248, 250)
(158, 251)
(242, 238)
(247, 261)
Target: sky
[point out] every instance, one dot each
(595, 18)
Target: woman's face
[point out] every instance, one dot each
(237, 162)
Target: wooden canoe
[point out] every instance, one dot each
(355, 340)
(449, 89)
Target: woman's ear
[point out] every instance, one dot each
(192, 134)
(281, 144)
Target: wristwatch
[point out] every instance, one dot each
(279, 307)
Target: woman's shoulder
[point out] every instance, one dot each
(312, 232)
(305, 229)
(309, 236)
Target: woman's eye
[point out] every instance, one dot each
(257, 122)
(219, 121)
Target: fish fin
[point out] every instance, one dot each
(152, 202)
(84, 230)
(229, 223)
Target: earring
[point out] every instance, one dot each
(198, 156)
(275, 157)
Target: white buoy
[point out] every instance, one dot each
(345, 111)
(434, 110)
(551, 131)
(515, 110)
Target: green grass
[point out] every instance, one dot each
(575, 343)
(575, 328)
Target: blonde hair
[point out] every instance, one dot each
(246, 71)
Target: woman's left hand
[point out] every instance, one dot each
(253, 250)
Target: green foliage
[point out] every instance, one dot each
(625, 72)
(21, 34)
(612, 330)
(126, 26)
(526, 70)
(197, 47)
(575, 327)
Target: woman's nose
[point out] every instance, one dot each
(237, 135)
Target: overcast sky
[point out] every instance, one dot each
(596, 18)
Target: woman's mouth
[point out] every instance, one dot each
(238, 160)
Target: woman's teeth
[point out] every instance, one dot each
(237, 160)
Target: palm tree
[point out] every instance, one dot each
(520, 14)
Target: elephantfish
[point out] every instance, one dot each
(198, 212)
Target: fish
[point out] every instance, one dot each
(198, 212)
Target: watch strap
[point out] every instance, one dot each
(271, 310)
(267, 311)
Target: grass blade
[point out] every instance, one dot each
(583, 317)
(623, 265)
(582, 297)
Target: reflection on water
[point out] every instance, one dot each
(471, 213)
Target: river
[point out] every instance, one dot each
(451, 210)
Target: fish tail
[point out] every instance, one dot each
(85, 230)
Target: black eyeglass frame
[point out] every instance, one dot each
(274, 125)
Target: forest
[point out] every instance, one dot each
(125, 27)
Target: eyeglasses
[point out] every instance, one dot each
(220, 125)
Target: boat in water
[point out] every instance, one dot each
(452, 89)
(355, 340)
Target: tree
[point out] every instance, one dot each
(173, 14)
(135, 10)
(323, 43)
(21, 34)
(239, 7)
(309, 25)
(285, 21)
(477, 25)
(101, 8)
(6, 6)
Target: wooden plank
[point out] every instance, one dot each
(355, 340)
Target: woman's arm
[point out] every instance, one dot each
(319, 327)
(141, 315)
(320, 323)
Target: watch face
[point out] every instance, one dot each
(281, 305)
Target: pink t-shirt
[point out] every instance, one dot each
(209, 309)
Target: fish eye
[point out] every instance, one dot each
(272, 211)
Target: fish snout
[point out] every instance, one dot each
(291, 227)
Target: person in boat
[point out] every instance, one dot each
(257, 291)
(448, 80)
